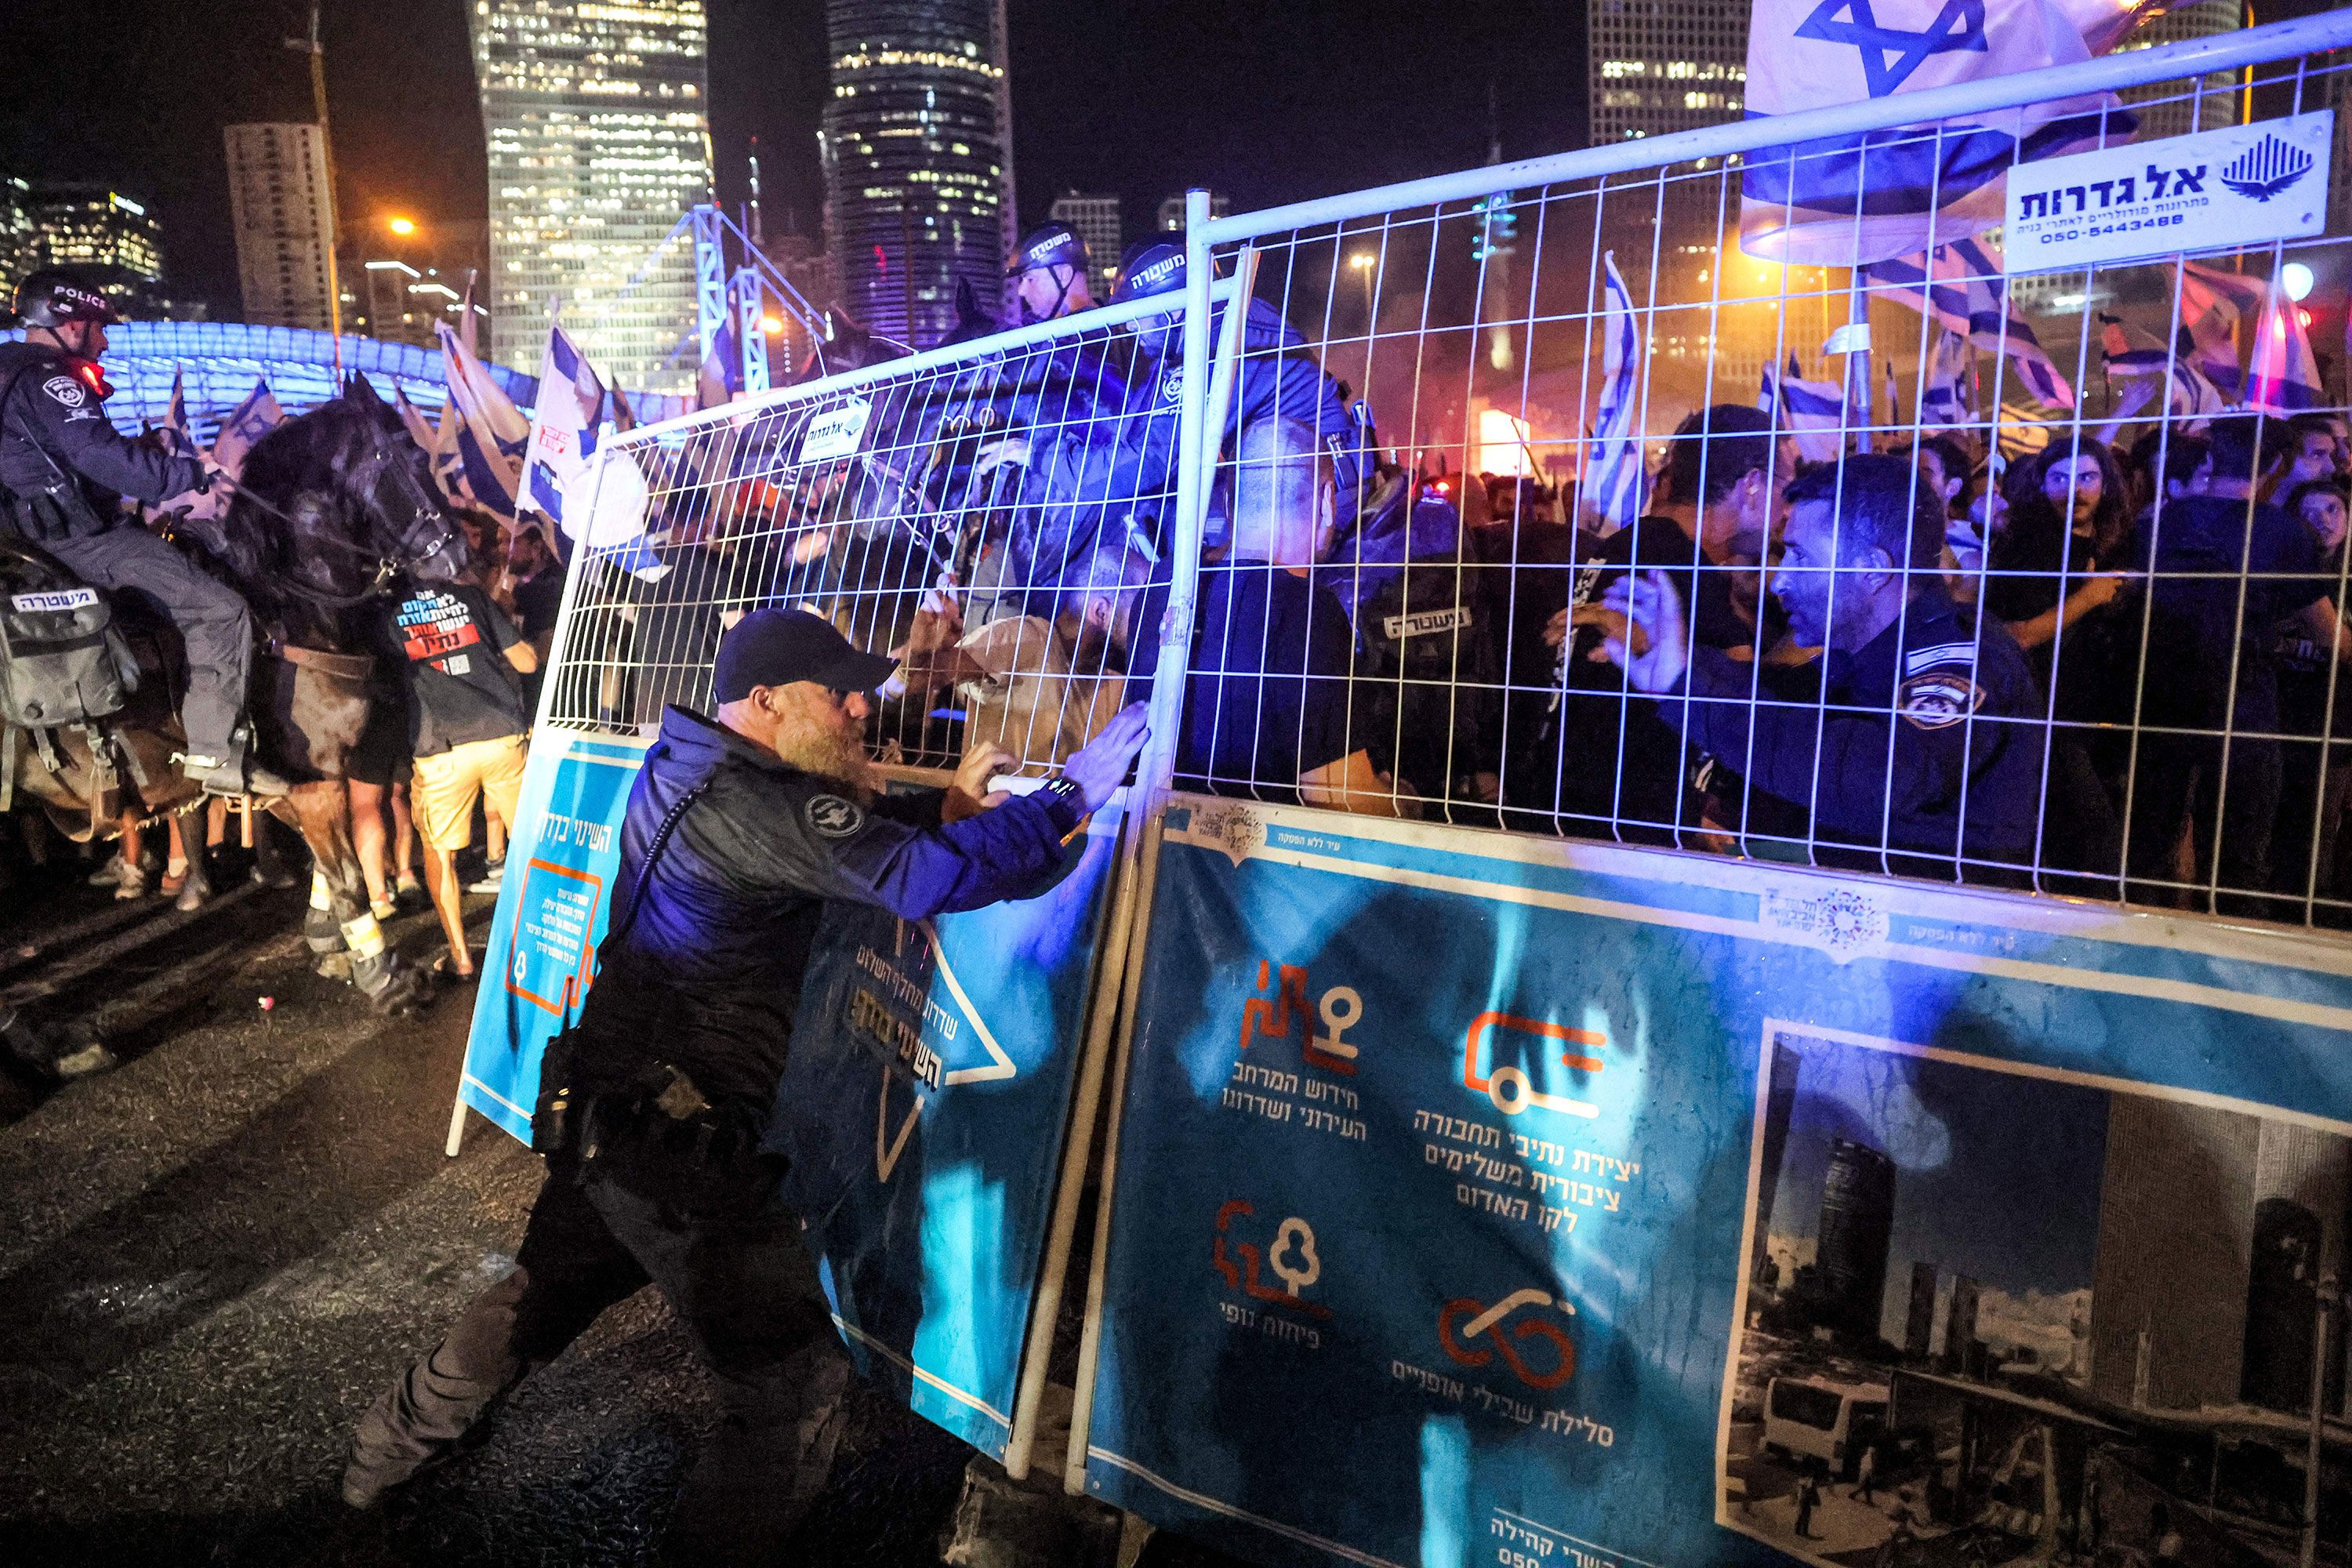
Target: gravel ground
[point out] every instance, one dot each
(212, 1258)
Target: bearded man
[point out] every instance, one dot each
(739, 829)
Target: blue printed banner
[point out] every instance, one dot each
(931, 1072)
(1484, 1200)
(562, 855)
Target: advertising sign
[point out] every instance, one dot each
(1492, 1200)
(2243, 184)
(562, 855)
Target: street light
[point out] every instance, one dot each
(2297, 278)
(772, 324)
(1364, 261)
(403, 227)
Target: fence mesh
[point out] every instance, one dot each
(996, 518)
(1968, 571)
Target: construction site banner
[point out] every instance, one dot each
(1487, 1200)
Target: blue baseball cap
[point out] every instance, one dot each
(777, 647)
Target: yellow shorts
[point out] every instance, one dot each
(441, 794)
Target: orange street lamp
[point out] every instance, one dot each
(403, 227)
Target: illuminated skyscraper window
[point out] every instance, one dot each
(914, 141)
(1662, 66)
(278, 197)
(598, 139)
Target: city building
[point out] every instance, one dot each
(1779, 1104)
(1171, 211)
(599, 142)
(1096, 220)
(1961, 1354)
(411, 274)
(1662, 66)
(2201, 103)
(110, 236)
(1919, 1318)
(16, 249)
(1857, 1223)
(285, 221)
(914, 143)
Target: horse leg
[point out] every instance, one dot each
(323, 809)
(185, 840)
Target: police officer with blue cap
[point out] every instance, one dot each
(1048, 273)
(1277, 375)
(740, 830)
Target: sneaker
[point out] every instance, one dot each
(493, 877)
(384, 911)
(131, 884)
(107, 875)
(409, 893)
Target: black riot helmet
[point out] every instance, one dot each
(52, 295)
(1048, 244)
(1149, 266)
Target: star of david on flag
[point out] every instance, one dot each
(492, 433)
(248, 422)
(1843, 200)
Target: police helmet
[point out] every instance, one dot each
(1149, 266)
(1049, 245)
(52, 295)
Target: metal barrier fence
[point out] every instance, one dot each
(2107, 687)
(994, 513)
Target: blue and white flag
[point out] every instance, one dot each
(1966, 290)
(1615, 482)
(176, 437)
(562, 424)
(2282, 376)
(1947, 382)
(247, 423)
(2128, 355)
(1850, 199)
(1812, 413)
(492, 433)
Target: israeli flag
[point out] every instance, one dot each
(247, 423)
(1966, 288)
(177, 440)
(1615, 482)
(562, 424)
(1845, 200)
(2282, 376)
(1947, 392)
(492, 433)
(1812, 413)
(2126, 355)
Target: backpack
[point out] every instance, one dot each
(62, 659)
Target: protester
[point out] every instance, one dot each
(2226, 572)
(1269, 713)
(2315, 707)
(1619, 770)
(468, 732)
(739, 831)
(377, 774)
(2313, 453)
(1921, 744)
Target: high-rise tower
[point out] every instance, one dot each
(915, 142)
(598, 144)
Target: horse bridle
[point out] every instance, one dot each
(409, 551)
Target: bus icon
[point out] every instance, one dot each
(1509, 1086)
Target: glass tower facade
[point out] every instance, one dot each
(915, 140)
(594, 115)
(1662, 66)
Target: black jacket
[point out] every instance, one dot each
(708, 977)
(63, 466)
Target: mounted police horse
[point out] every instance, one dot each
(333, 507)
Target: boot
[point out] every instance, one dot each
(232, 771)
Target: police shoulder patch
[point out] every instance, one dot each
(1938, 700)
(833, 816)
(65, 389)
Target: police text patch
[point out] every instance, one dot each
(65, 389)
(833, 817)
(1939, 699)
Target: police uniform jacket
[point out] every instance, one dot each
(708, 977)
(1928, 741)
(63, 466)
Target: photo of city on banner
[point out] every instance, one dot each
(1572, 1190)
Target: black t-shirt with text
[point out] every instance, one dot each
(454, 643)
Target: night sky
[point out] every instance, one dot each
(1266, 102)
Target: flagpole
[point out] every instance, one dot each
(1857, 362)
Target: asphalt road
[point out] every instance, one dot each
(213, 1257)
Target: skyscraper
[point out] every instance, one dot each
(1857, 1222)
(107, 235)
(278, 203)
(914, 144)
(1096, 220)
(598, 144)
(1662, 66)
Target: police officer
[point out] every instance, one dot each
(1048, 273)
(1925, 747)
(1277, 375)
(64, 470)
(739, 830)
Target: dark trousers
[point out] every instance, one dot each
(2234, 807)
(731, 1262)
(213, 620)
